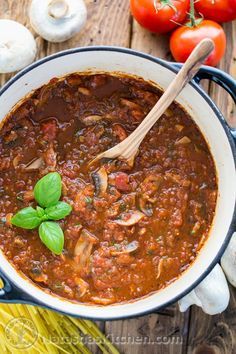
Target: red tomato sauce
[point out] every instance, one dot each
(134, 227)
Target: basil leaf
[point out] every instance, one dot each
(47, 190)
(26, 218)
(52, 236)
(40, 211)
(58, 211)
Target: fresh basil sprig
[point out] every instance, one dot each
(47, 193)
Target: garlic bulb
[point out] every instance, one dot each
(228, 261)
(17, 46)
(212, 294)
(57, 20)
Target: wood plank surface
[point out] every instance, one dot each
(213, 334)
(217, 334)
(228, 64)
(109, 23)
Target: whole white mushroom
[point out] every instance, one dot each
(57, 20)
(17, 46)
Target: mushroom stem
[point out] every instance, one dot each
(57, 20)
(58, 8)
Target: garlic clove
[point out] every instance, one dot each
(228, 261)
(188, 300)
(212, 294)
(57, 20)
(17, 46)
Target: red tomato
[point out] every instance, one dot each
(159, 16)
(122, 181)
(184, 39)
(217, 10)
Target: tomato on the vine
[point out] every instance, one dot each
(185, 38)
(159, 16)
(217, 10)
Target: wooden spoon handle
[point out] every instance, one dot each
(187, 72)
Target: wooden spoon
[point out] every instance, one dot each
(127, 149)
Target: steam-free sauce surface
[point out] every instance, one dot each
(134, 227)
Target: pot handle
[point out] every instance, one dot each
(9, 293)
(219, 77)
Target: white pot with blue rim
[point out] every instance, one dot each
(212, 125)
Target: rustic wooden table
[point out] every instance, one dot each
(109, 23)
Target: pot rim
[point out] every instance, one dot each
(216, 112)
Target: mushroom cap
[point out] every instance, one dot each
(17, 46)
(57, 20)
